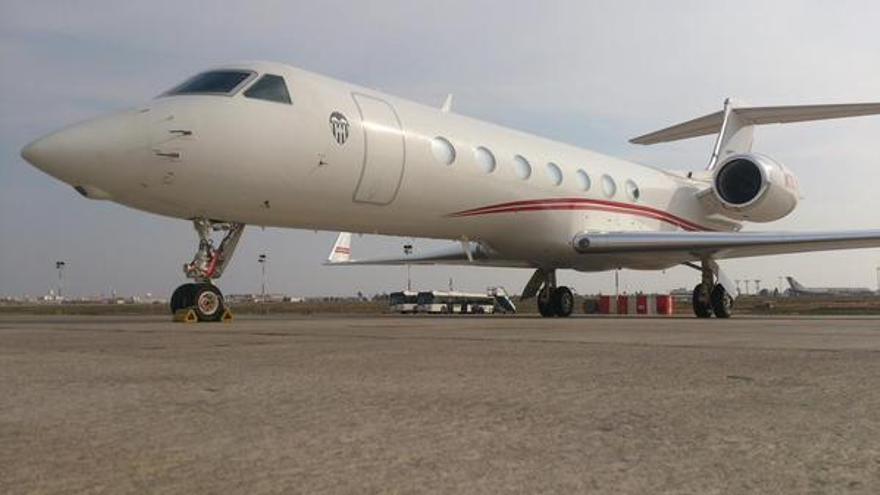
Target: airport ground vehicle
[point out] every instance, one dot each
(495, 300)
(403, 301)
(443, 302)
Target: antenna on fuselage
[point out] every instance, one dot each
(447, 105)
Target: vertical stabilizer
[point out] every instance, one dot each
(736, 135)
(795, 284)
(341, 252)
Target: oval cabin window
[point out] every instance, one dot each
(554, 173)
(443, 150)
(583, 180)
(522, 167)
(609, 187)
(632, 190)
(485, 159)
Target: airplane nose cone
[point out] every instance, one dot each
(43, 153)
(83, 152)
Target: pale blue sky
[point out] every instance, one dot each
(590, 73)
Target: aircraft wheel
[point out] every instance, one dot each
(545, 303)
(702, 308)
(722, 303)
(182, 297)
(208, 302)
(562, 301)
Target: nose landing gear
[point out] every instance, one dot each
(203, 297)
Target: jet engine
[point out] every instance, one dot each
(753, 187)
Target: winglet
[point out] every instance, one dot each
(341, 252)
(447, 105)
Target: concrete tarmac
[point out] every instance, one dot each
(439, 405)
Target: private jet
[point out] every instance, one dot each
(267, 144)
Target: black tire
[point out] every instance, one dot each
(562, 302)
(182, 297)
(703, 309)
(208, 302)
(545, 303)
(722, 302)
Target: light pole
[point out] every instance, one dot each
(59, 265)
(262, 259)
(407, 250)
(616, 284)
(757, 286)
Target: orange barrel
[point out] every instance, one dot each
(665, 305)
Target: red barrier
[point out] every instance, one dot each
(665, 305)
(622, 305)
(642, 304)
(605, 305)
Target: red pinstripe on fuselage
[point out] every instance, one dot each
(582, 204)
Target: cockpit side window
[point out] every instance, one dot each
(215, 82)
(270, 87)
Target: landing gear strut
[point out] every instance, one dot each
(203, 297)
(553, 300)
(710, 298)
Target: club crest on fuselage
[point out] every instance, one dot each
(339, 127)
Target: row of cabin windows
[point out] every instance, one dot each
(228, 82)
(271, 87)
(444, 152)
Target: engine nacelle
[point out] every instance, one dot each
(754, 188)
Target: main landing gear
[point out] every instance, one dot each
(553, 300)
(710, 298)
(203, 297)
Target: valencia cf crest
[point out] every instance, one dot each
(339, 127)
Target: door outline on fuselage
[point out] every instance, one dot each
(366, 154)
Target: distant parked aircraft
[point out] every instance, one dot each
(797, 289)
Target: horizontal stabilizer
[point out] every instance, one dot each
(713, 123)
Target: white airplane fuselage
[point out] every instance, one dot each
(257, 162)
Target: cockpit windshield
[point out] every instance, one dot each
(271, 88)
(215, 82)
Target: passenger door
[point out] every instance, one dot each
(384, 151)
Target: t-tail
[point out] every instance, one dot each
(748, 186)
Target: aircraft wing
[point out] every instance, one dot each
(464, 253)
(689, 246)
(451, 255)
